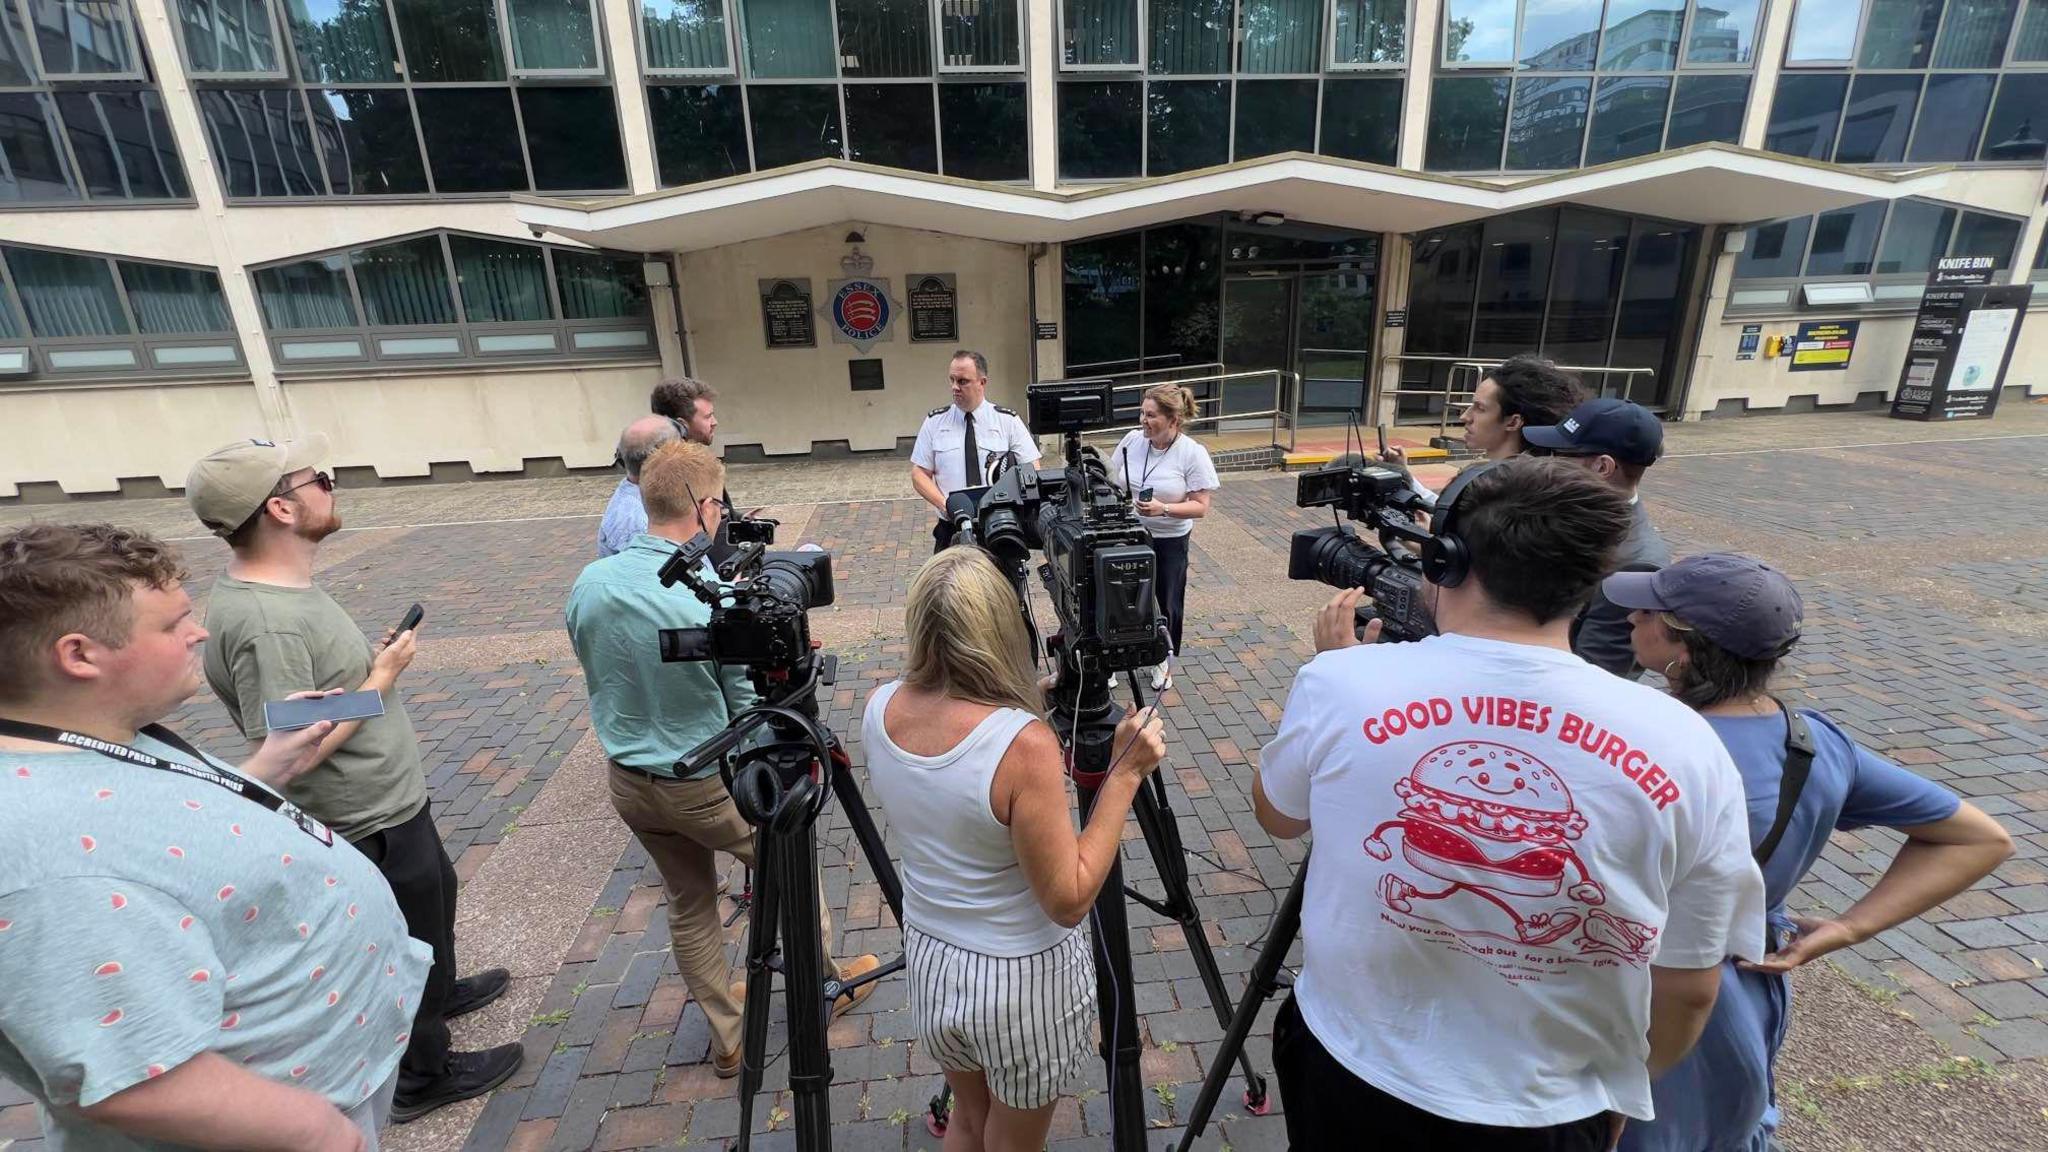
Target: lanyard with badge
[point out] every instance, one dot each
(219, 778)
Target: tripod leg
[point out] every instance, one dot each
(1259, 987)
(847, 792)
(1115, 1004)
(803, 958)
(761, 964)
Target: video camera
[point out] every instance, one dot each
(1380, 498)
(759, 603)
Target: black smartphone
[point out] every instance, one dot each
(1383, 440)
(413, 616)
(289, 715)
(1144, 493)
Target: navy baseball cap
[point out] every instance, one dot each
(1745, 606)
(1624, 430)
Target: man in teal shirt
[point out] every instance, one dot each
(648, 714)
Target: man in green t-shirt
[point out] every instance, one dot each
(274, 633)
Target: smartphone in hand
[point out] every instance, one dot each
(1383, 441)
(290, 715)
(413, 616)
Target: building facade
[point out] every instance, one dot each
(466, 236)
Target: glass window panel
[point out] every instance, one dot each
(1804, 115)
(1651, 303)
(367, 137)
(168, 299)
(421, 346)
(1707, 108)
(1514, 277)
(10, 324)
(1180, 125)
(2040, 253)
(1281, 36)
(1973, 34)
(2019, 119)
(1548, 124)
(572, 138)
(699, 132)
(472, 139)
(2031, 45)
(553, 36)
(1561, 36)
(983, 129)
(789, 39)
(596, 286)
(17, 66)
(1479, 31)
(1100, 301)
(891, 125)
(1101, 128)
(1819, 33)
(1370, 32)
(979, 34)
(1976, 235)
(123, 145)
(885, 37)
(33, 167)
(1190, 37)
(93, 358)
(588, 340)
(67, 295)
(1878, 119)
(84, 37)
(689, 34)
(261, 141)
(1628, 117)
(1443, 278)
(1774, 249)
(519, 342)
(342, 41)
(180, 355)
(320, 349)
(1275, 116)
(1585, 281)
(794, 123)
(1845, 241)
(404, 283)
(309, 294)
(1467, 120)
(228, 36)
(500, 283)
(1917, 234)
(1952, 116)
(1642, 35)
(450, 40)
(1362, 119)
(1723, 32)
(1099, 32)
(1184, 277)
(1897, 33)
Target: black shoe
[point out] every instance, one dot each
(470, 1074)
(473, 992)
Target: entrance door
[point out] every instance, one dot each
(1258, 334)
(1335, 345)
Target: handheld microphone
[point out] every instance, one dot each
(961, 510)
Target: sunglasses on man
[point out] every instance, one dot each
(325, 482)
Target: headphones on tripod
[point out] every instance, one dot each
(1446, 559)
(758, 790)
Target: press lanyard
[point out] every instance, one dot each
(1150, 463)
(219, 778)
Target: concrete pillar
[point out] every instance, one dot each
(158, 31)
(2030, 239)
(1770, 57)
(622, 41)
(1042, 69)
(1396, 250)
(665, 304)
(1422, 41)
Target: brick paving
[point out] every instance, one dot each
(1921, 556)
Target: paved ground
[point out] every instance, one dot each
(1920, 548)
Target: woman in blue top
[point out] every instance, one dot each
(1717, 625)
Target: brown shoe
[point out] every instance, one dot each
(859, 966)
(725, 1067)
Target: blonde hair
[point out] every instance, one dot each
(1176, 402)
(966, 633)
(677, 476)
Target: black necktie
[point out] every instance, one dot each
(972, 469)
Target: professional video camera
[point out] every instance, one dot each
(759, 603)
(1381, 499)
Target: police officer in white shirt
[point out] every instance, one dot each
(960, 443)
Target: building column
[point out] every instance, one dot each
(621, 40)
(1396, 250)
(1421, 70)
(1041, 71)
(2030, 240)
(1770, 58)
(159, 35)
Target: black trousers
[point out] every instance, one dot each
(1173, 582)
(1328, 1107)
(423, 879)
(942, 536)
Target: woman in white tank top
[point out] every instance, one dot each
(995, 880)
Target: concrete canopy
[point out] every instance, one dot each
(1703, 184)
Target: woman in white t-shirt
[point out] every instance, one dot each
(1170, 478)
(995, 880)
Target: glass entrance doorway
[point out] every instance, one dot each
(1314, 324)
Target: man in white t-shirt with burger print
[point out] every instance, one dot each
(1526, 871)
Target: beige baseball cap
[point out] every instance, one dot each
(230, 484)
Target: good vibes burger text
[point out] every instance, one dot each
(1529, 716)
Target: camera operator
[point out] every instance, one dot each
(1718, 625)
(1519, 392)
(1617, 441)
(648, 714)
(957, 444)
(1170, 476)
(996, 883)
(1572, 862)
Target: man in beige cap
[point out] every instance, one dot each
(274, 633)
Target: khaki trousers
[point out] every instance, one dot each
(683, 824)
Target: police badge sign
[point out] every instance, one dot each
(860, 310)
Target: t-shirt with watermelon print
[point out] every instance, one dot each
(146, 917)
(1507, 839)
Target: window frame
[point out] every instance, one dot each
(130, 36)
(175, 15)
(941, 68)
(732, 69)
(1330, 63)
(1896, 300)
(1142, 18)
(1511, 65)
(141, 346)
(599, 44)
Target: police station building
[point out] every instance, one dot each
(466, 236)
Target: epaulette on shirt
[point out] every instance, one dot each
(1006, 411)
(936, 411)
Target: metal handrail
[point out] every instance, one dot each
(1476, 369)
(1286, 403)
(1072, 368)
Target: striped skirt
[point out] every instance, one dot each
(1024, 1022)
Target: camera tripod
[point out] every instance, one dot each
(1260, 985)
(782, 785)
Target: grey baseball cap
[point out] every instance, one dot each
(1743, 605)
(230, 484)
